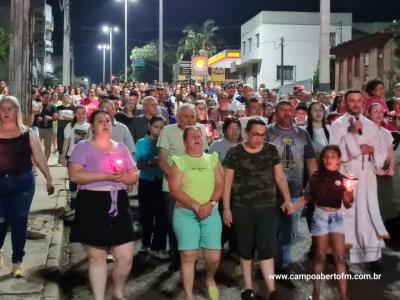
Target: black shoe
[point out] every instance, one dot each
(248, 295)
(286, 282)
(274, 296)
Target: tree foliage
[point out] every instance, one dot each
(4, 45)
(197, 40)
(149, 53)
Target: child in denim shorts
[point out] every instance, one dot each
(327, 191)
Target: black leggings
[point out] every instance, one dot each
(152, 214)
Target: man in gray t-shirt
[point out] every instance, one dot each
(295, 148)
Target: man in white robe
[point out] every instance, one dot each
(357, 138)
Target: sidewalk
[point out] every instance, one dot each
(42, 256)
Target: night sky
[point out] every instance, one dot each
(87, 17)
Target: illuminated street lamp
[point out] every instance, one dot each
(126, 36)
(110, 30)
(104, 47)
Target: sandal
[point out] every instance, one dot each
(213, 293)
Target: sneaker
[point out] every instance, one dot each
(110, 258)
(248, 295)
(163, 255)
(17, 271)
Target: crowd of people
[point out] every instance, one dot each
(213, 164)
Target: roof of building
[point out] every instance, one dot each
(363, 44)
(294, 18)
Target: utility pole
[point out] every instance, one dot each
(126, 42)
(161, 44)
(324, 65)
(66, 78)
(20, 66)
(282, 46)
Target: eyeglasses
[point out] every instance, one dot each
(255, 134)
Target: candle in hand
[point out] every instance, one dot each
(118, 165)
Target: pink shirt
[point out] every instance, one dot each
(371, 101)
(91, 106)
(96, 161)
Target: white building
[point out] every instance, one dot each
(43, 27)
(261, 45)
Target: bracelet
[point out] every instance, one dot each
(213, 203)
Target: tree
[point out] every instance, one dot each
(149, 53)
(4, 45)
(197, 41)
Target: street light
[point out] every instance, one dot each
(110, 30)
(126, 36)
(161, 43)
(104, 47)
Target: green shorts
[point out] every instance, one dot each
(193, 234)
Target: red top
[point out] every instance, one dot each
(91, 106)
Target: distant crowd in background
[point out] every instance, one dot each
(224, 166)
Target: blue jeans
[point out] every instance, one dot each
(16, 194)
(288, 227)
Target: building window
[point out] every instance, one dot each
(257, 40)
(243, 47)
(250, 42)
(288, 73)
(332, 39)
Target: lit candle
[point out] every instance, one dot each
(118, 165)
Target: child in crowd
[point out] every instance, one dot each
(74, 132)
(328, 190)
(151, 209)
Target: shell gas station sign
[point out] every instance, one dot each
(199, 65)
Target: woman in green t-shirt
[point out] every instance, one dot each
(196, 183)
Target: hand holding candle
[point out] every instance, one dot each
(118, 166)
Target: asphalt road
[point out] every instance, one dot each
(151, 279)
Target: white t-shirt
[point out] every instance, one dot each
(75, 135)
(319, 140)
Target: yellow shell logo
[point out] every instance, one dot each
(200, 63)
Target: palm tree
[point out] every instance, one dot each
(197, 41)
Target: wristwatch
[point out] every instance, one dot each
(213, 203)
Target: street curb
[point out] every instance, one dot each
(52, 290)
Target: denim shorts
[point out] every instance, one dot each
(193, 233)
(325, 222)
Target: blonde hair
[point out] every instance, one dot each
(15, 101)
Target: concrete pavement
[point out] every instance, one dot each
(42, 258)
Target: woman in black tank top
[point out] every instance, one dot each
(17, 184)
